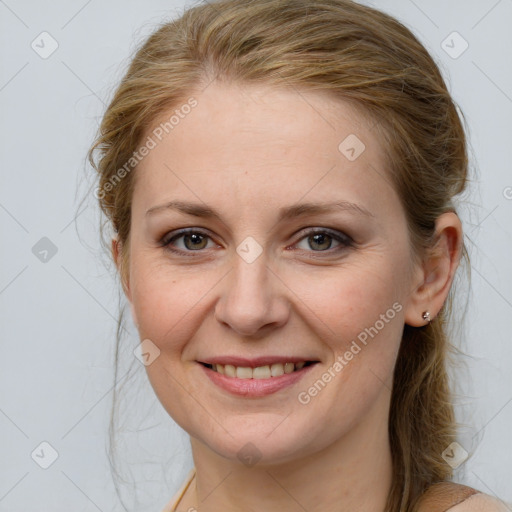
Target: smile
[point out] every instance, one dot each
(260, 372)
(256, 381)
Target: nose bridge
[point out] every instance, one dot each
(251, 298)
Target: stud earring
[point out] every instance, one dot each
(426, 316)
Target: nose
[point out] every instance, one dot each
(253, 299)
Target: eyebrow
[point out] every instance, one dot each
(285, 213)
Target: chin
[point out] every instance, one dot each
(265, 440)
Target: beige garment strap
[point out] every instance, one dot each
(171, 506)
(442, 496)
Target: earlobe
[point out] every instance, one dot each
(117, 256)
(435, 276)
(114, 247)
(118, 260)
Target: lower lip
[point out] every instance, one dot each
(255, 387)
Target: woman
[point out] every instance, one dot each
(281, 176)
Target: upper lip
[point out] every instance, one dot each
(255, 361)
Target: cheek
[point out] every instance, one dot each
(168, 302)
(344, 301)
(357, 314)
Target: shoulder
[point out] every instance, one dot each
(452, 497)
(480, 502)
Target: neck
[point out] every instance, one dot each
(353, 474)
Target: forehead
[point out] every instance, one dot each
(262, 145)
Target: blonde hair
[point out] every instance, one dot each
(356, 54)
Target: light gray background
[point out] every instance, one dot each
(58, 317)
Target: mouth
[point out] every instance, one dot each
(256, 377)
(268, 371)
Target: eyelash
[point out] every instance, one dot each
(344, 240)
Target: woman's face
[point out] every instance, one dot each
(296, 250)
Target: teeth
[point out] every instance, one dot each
(229, 370)
(261, 372)
(276, 369)
(289, 367)
(243, 372)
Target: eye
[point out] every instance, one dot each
(321, 240)
(316, 240)
(187, 241)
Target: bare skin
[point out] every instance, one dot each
(247, 152)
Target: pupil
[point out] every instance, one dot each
(323, 241)
(195, 240)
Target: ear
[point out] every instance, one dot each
(434, 276)
(117, 256)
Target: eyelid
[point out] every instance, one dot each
(338, 235)
(345, 242)
(172, 235)
(166, 240)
